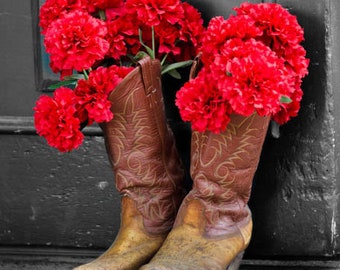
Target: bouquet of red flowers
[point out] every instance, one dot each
(252, 62)
(94, 44)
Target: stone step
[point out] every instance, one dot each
(66, 259)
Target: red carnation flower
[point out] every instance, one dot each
(220, 30)
(167, 36)
(153, 12)
(275, 21)
(51, 10)
(281, 32)
(252, 77)
(123, 37)
(95, 5)
(76, 41)
(177, 29)
(191, 32)
(165, 17)
(191, 25)
(55, 119)
(203, 104)
(296, 61)
(121, 72)
(92, 94)
(93, 105)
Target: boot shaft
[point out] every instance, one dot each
(222, 168)
(141, 147)
(135, 133)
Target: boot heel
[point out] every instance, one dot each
(235, 264)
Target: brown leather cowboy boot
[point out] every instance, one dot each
(146, 166)
(214, 224)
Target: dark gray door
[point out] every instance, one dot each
(46, 198)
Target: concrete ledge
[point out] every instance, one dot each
(283, 264)
(64, 259)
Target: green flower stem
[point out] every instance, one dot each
(150, 51)
(86, 74)
(153, 42)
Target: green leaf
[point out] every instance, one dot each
(63, 83)
(164, 58)
(74, 77)
(174, 66)
(174, 73)
(102, 15)
(285, 99)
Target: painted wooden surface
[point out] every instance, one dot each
(53, 199)
(49, 199)
(298, 172)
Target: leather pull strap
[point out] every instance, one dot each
(147, 75)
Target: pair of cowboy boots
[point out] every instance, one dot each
(213, 225)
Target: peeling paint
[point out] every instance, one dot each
(102, 185)
(34, 212)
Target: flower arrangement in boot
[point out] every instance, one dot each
(110, 55)
(95, 44)
(252, 65)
